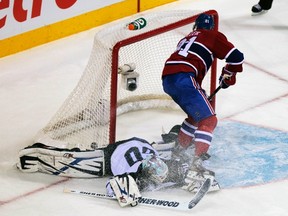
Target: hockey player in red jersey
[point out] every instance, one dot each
(182, 77)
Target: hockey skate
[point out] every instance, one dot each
(258, 10)
(197, 174)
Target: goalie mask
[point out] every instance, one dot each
(155, 169)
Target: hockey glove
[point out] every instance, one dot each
(125, 189)
(227, 78)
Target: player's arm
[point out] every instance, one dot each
(61, 162)
(234, 60)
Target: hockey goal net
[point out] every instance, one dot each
(89, 114)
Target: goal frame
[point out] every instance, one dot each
(133, 39)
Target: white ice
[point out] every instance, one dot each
(34, 83)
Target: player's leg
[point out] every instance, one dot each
(187, 132)
(186, 92)
(179, 87)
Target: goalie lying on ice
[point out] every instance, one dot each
(135, 165)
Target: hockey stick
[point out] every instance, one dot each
(154, 202)
(225, 76)
(214, 93)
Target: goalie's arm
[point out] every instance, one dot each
(61, 162)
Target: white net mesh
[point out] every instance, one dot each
(87, 114)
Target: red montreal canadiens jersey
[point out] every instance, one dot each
(196, 52)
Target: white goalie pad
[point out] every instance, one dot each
(62, 162)
(164, 149)
(125, 189)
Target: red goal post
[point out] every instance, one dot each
(90, 113)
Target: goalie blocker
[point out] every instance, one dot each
(126, 190)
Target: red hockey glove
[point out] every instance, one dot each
(227, 78)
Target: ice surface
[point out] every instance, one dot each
(249, 150)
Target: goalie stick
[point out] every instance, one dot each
(154, 202)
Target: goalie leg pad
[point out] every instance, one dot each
(194, 186)
(164, 149)
(125, 189)
(61, 162)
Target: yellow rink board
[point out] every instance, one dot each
(76, 24)
(148, 4)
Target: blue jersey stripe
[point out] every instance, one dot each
(202, 53)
